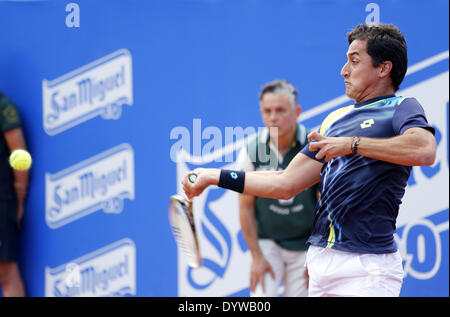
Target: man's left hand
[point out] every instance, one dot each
(330, 147)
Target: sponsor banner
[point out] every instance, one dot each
(101, 182)
(109, 271)
(99, 88)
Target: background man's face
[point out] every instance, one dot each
(277, 111)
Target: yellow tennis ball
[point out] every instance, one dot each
(20, 159)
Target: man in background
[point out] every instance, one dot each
(276, 231)
(13, 190)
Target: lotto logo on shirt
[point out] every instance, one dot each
(100, 88)
(109, 271)
(101, 182)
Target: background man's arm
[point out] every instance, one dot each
(260, 266)
(15, 140)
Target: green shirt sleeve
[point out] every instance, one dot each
(9, 115)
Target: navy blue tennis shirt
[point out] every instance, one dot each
(360, 196)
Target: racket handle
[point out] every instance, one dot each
(192, 177)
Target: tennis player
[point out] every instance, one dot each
(362, 156)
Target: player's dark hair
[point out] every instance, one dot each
(280, 86)
(385, 42)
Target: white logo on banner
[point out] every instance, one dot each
(101, 182)
(99, 88)
(109, 271)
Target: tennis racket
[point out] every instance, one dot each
(181, 219)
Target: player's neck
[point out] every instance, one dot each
(284, 143)
(381, 90)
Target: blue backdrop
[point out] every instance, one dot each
(101, 86)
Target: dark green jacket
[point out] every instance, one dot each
(287, 222)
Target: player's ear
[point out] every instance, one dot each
(385, 69)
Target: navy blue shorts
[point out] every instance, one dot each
(8, 231)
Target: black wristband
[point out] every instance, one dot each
(233, 180)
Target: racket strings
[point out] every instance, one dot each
(184, 242)
(184, 231)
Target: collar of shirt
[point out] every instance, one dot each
(358, 105)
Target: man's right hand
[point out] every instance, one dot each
(260, 266)
(205, 177)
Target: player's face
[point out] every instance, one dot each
(361, 78)
(277, 111)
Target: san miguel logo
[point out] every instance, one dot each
(99, 88)
(101, 182)
(109, 271)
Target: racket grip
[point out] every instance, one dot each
(192, 177)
